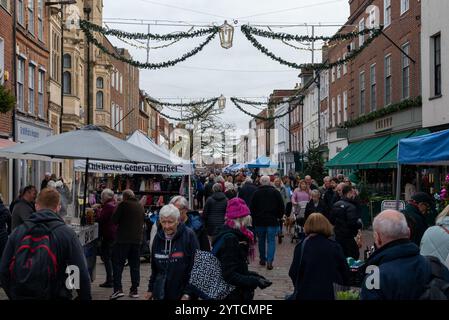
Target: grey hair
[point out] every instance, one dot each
(229, 186)
(169, 211)
(265, 181)
(107, 194)
(327, 178)
(51, 184)
(128, 194)
(392, 225)
(219, 179)
(248, 180)
(245, 221)
(181, 200)
(217, 187)
(315, 192)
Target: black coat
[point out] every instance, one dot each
(196, 223)
(67, 248)
(214, 212)
(246, 192)
(129, 216)
(171, 263)
(346, 217)
(233, 256)
(329, 198)
(5, 226)
(416, 222)
(267, 207)
(321, 208)
(323, 264)
(208, 189)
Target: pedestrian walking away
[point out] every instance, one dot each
(129, 218)
(214, 210)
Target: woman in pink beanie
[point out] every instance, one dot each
(236, 246)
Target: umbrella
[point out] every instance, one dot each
(89, 143)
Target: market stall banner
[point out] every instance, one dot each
(130, 168)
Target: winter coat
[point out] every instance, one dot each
(246, 192)
(208, 189)
(5, 226)
(416, 222)
(267, 207)
(323, 264)
(403, 272)
(435, 241)
(171, 263)
(68, 252)
(233, 256)
(346, 218)
(230, 194)
(22, 211)
(320, 208)
(329, 197)
(196, 223)
(108, 230)
(284, 193)
(214, 212)
(129, 216)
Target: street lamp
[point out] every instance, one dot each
(226, 35)
(221, 102)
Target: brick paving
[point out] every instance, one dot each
(279, 275)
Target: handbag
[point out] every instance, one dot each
(206, 278)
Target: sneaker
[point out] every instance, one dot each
(106, 285)
(133, 293)
(116, 295)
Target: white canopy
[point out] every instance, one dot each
(172, 164)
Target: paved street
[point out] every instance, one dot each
(279, 275)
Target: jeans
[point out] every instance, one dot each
(106, 257)
(120, 253)
(267, 235)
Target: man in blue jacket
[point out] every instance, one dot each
(396, 270)
(63, 245)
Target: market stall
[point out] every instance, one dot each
(89, 143)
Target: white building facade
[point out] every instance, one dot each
(310, 117)
(282, 136)
(435, 62)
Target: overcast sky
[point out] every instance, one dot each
(241, 71)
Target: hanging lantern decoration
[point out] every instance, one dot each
(221, 102)
(226, 35)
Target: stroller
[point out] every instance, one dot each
(299, 212)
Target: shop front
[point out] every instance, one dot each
(6, 174)
(31, 172)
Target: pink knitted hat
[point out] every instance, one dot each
(236, 208)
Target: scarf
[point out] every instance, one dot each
(248, 234)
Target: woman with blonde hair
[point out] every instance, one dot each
(435, 241)
(318, 262)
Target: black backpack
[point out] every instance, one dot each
(34, 266)
(438, 286)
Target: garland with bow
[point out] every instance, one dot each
(86, 25)
(196, 117)
(91, 39)
(314, 66)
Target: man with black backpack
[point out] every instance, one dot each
(40, 255)
(396, 270)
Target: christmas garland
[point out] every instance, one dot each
(91, 39)
(315, 66)
(196, 117)
(403, 105)
(246, 29)
(290, 110)
(86, 25)
(291, 99)
(188, 104)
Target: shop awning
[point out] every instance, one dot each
(375, 153)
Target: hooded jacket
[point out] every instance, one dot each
(416, 222)
(67, 248)
(129, 216)
(233, 256)
(346, 217)
(267, 207)
(403, 272)
(171, 263)
(435, 241)
(214, 212)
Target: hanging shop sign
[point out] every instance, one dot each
(130, 168)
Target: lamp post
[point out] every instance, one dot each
(226, 35)
(61, 9)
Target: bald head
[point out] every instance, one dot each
(390, 225)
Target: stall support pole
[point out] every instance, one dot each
(86, 173)
(190, 192)
(398, 186)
